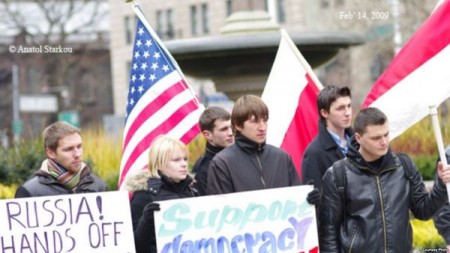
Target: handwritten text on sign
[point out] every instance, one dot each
(276, 220)
(92, 222)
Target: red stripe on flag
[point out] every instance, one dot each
(152, 108)
(303, 127)
(190, 134)
(165, 127)
(429, 40)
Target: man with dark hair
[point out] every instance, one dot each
(215, 124)
(331, 144)
(63, 172)
(368, 210)
(251, 164)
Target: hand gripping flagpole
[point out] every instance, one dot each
(439, 141)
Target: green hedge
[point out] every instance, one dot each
(17, 164)
(426, 165)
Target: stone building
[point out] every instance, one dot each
(357, 67)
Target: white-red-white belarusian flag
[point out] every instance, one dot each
(291, 95)
(418, 77)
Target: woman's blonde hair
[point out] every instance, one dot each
(161, 151)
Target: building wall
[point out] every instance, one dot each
(355, 67)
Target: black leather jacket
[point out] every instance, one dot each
(373, 215)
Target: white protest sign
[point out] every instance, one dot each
(275, 220)
(90, 222)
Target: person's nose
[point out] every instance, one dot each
(78, 152)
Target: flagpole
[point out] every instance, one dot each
(301, 59)
(439, 141)
(144, 21)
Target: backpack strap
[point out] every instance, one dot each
(341, 180)
(407, 166)
(339, 175)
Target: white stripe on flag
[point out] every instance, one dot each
(286, 82)
(408, 101)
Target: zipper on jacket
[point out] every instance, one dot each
(353, 241)
(382, 213)
(261, 170)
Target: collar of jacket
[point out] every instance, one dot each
(154, 184)
(248, 145)
(211, 150)
(327, 140)
(46, 178)
(353, 154)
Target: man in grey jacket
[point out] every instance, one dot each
(63, 172)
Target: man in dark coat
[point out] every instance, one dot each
(63, 172)
(331, 144)
(250, 163)
(215, 124)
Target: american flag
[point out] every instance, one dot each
(160, 101)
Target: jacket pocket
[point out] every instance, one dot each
(350, 239)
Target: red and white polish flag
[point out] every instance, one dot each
(291, 95)
(418, 77)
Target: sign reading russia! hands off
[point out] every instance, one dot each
(275, 220)
(91, 222)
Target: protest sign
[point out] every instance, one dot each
(275, 220)
(91, 222)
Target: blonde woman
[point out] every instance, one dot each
(167, 177)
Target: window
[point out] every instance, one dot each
(205, 24)
(159, 24)
(339, 3)
(281, 11)
(229, 7)
(128, 68)
(324, 3)
(194, 21)
(170, 30)
(128, 30)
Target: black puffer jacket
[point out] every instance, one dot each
(42, 184)
(374, 216)
(246, 166)
(201, 167)
(146, 190)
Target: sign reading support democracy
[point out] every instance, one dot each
(275, 220)
(91, 222)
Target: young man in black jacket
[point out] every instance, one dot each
(215, 124)
(331, 144)
(371, 212)
(249, 163)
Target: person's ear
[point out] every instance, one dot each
(50, 153)
(357, 137)
(207, 134)
(324, 113)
